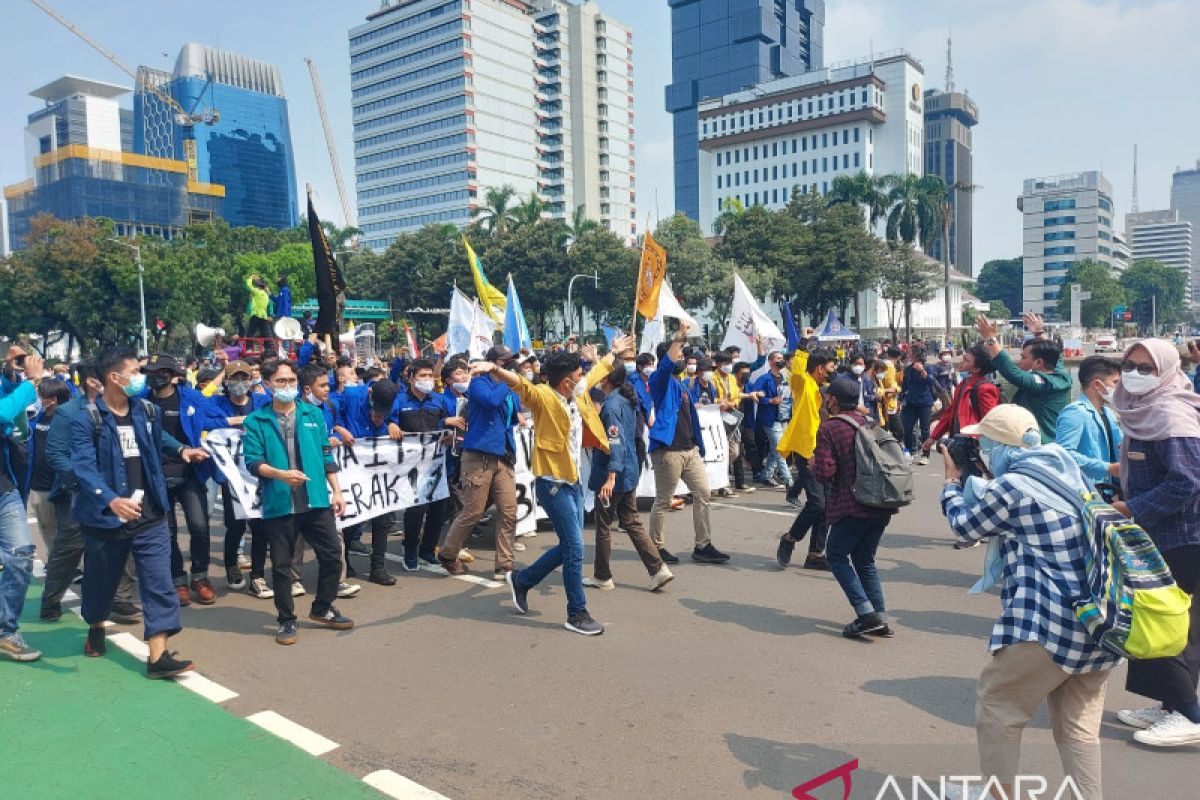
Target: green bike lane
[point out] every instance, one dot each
(72, 726)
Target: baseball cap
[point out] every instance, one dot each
(1008, 424)
(160, 361)
(499, 354)
(238, 368)
(844, 390)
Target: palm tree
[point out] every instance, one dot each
(341, 239)
(580, 224)
(731, 209)
(497, 212)
(863, 190)
(945, 211)
(529, 211)
(913, 202)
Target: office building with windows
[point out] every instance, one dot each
(949, 117)
(242, 139)
(1162, 236)
(79, 165)
(724, 46)
(1185, 198)
(1065, 218)
(798, 133)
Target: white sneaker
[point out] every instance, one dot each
(258, 588)
(348, 589)
(661, 579)
(1142, 718)
(921, 460)
(595, 583)
(243, 561)
(298, 589)
(519, 546)
(1171, 731)
(464, 555)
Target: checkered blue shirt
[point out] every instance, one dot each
(1042, 549)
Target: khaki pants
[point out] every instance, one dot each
(1012, 687)
(671, 466)
(47, 519)
(483, 475)
(622, 506)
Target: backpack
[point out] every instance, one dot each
(94, 412)
(884, 475)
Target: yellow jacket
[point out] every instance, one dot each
(800, 437)
(552, 426)
(727, 388)
(892, 403)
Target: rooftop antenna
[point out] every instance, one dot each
(1133, 203)
(949, 61)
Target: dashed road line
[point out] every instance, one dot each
(307, 740)
(469, 578)
(400, 787)
(752, 508)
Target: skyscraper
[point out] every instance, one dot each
(723, 46)
(949, 117)
(1163, 236)
(1185, 198)
(244, 142)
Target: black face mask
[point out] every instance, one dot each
(158, 381)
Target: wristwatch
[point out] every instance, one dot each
(990, 340)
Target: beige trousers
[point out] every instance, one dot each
(671, 466)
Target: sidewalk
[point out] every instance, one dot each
(72, 726)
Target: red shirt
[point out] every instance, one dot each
(834, 465)
(969, 405)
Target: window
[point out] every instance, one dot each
(745, 153)
(824, 140)
(846, 136)
(737, 179)
(774, 149)
(864, 97)
(821, 104)
(825, 163)
(756, 152)
(1061, 250)
(1049, 295)
(1050, 222)
(804, 164)
(856, 159)
(1106, 251)
(1103, 220)
(770, 115)
(746, 177)
(856, 134)
(1055, 236)
(756, 198)
(810, 106)
(1053, 265)
(737, 156)
(1054, 280)
(804, 144)
(775, 173)
(1105, 203)
(1059, 205)
(793, 170)
(1105, 235)
(718, 159)
(842, 100)
(756, 176)
(719, 182)
(846, 160)
(774, 195)
(814, 166)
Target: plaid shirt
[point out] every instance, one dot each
(1042, 549)
(833, 464)
(1163, 487)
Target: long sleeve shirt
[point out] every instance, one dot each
(1094, 441)
(1163, 489)
(1043, 394)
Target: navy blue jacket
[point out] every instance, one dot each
(222, 405)
(100, 467)
(491, 417)
(667, 391)
(767, 412)
(58, 444)
(917, 392)
(411, 413)
(620, 423)
(197, 414)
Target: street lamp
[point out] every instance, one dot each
(595, 276)
(137, 252)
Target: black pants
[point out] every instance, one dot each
(380, 527)
(320, 531)
(66, 553)
(1172, 681)
(235, 529)
(911, 417)
(750, 451)
(812, 516)
(761, 448)
(192, 496)
(423, 527)
(260, 328)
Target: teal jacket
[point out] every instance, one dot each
(1043, 394)
(262, 443)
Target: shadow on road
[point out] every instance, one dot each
(911, 572)
(783, 766)
(943, 696)
(946, 623)
(760, 619)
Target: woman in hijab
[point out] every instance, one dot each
(1160, 470)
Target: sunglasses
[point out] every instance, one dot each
(1142, 369)
(19, 362)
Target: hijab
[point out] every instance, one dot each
(1169, 410)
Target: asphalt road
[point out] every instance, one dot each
(734, 682)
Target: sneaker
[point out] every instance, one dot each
(967, 545)
(257, 587)
(667, 557)
(465, 556)
(677, 503)
(769, 483)
(359, 547)
(724, 493)
(51, 613)
(745, 489)
(382, 577)
(783, 553)
(816, 561)
(333, 619)
(519, 596)
(1172, 730)
(348, 589)
(921, 460)
(499, 575)
(709, 555)
(288, 633)
(885, 632)
(234, 578)
(1143, 718)
(205, 594)
(168, 666)
(428, 558)
(452, 566)
(596, 583)
(661, 579)
(582, 623)
(298, 589)
(518, 545)
(794, 501)
(185, 597)
(243, 563)
(411, 562)
(864, 624)
(125, 613)
(14, 647)
(96, 644)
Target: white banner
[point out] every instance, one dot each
(746, 321)
(528, 511)
(716, 455)
(377, 475)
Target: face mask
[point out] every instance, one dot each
(962, 376)
(158, 381)
(857, 369)
(258, 381)
(579, 389)
(461, 388)
(887, 362)
(311, 399)
(777, 365)
(1137, 384)
(648, 370)
(238, 388)
(287, 394)
(1106, 393)
(986, 448)
(136, 385)
(727, 369)
(424, 387)
(528, 374)
(706, 376)
(691, 369)
(630, 367)
(947, 358)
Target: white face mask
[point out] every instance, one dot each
(648, 370)
(579, 389)
(706, 376)
(947, 358)
(727, 369)
(461, 387)
(691, 369)
(630, 367)
(425, 387)
(1138, 384)
(887, 362)
(528, 374)
(857, 369)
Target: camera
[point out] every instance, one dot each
(962, 450)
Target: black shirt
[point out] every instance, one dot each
(173, 466)
(132, 454)
(43, 473)
(685, 438)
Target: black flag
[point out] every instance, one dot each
(331, 286)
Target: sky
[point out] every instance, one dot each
(1062, 85)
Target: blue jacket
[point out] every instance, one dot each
(767, 412)
(396, 372)
(917, 392)
(491, 417)
(412, 414)
(100, 468)
(58, 445)
(667, 391)
(221, 404)
(355, 413)
(1081, 433)
(197, 414)
(620, 423)
(304, 353)
(332, 410)
(283, 302)
(13, 402)
(641, 385)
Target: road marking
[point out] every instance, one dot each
(130, 644)
(752, 508)
(400, 787)
(309, 741)
(469, 578)
(208, 689)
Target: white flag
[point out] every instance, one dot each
(462, 314)
(668, 306)
(747, 320)
(482, 330)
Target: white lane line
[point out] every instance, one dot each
(208, 689)
(131, 644)
(758, 510)
(400, 787)
(469, 578)
(309, 741)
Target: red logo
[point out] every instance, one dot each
(801, 792)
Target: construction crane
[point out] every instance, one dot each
(347, 212)
(183, 118)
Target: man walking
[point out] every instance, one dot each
(771, 420)
(1089, 430)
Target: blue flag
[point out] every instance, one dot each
(789, 325)
(610, 333)
(516, 332)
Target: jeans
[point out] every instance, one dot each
(16, 555)
(423, 527)
(564, 505)
(671, 466)
(320, 531)
(192, 495)
(910, 417)
(851, 554)
(108, 551)
(66, 553)
(813, 514)
(773, 463)
(622, 507)
(235, 529)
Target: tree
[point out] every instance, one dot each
(602, 252)
(339, 238)
(1106, 292)
(996, 311)
(692, 269)
(913, 202)
(1157, 292)
(580, 224)
(945, 198)
(908, 277)
(536, 258)
(1001, 279)
(496, 214)
(863, 191)
(528, 211)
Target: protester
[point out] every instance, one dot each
(258, 309)
(283, 300)
(121, 506)
(1088, 428)
(286, 447)
(1160, 473)
(771, 420)
(729, 399)
(1031, 512)
(945, 377)
(1043, 382)
(749, 408)
(974, 397)
(38, 479)
(917, 393)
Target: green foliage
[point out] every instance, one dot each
(914, 208)
(1000, 279)
(600, 251)
(996, 311)
(694, 272)
(907, 277)
(1106, 292)
(496, 214)
(1167, 285)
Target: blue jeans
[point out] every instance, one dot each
(773, 464)
(106, 553)
(16, 554)
(850, 551)
(564, 506)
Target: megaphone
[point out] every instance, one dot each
(205, 335)
(288, 329)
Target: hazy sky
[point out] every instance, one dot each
(1062, 85)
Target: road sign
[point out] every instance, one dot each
(1118, 309)
(1128, 317)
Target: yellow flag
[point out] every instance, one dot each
(490, 298)
(650, 276)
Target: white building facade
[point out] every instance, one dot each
(1162, 236)
(1065, 218)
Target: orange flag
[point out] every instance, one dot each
(439, 344)
(650, 276)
